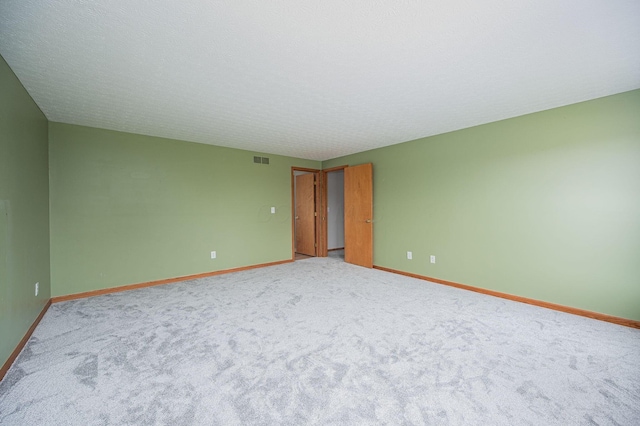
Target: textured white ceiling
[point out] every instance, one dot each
(315, 79)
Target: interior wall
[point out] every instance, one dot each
(545, 206)
(335, 209)
(24, 211)
(129, 208)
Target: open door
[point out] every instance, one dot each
(305, 217)
(358, 215)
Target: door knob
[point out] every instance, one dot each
(297, 217)
(368, 221)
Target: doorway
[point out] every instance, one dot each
(316, 211)
(333, 211)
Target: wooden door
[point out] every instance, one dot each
(358, 215)
(305, 218)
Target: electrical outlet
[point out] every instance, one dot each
(433, 259)
(409, 255)
(37, 288)
(213, 254)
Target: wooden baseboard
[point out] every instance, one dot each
(110, 290)
(25, 339)
(575, 311)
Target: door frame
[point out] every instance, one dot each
(324, 252)
(318, 202)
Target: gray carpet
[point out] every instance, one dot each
(338, 254)
(320, 342)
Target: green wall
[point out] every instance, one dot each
(127, 208)
(545, 206)
(24, 211)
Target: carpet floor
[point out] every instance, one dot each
(320, 342)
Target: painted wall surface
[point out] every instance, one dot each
(128, 208)
(545, 206)
(24, 211)
(335, 207)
